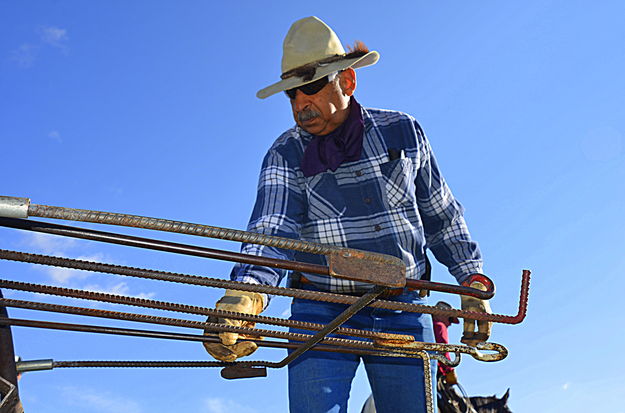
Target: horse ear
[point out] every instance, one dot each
(505, 396)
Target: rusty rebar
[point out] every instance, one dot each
(290, 292)
(167, 246)
(387, 345)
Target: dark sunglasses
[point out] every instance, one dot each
(309, 88)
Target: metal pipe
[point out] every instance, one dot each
(23, 366)
(14, 207)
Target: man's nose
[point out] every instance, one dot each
(301, 101)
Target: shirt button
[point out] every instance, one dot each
(367, 200)
(378, 228)
(358, 173)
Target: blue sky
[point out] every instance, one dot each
(149, 108)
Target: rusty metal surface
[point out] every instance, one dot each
(182, 308)
(333, 325)
(159, 245)
(289, 292)
(378, 269)
(9, 399)
(340, 265)
(351, 265)
(499, 352)
(163, 335)
(7, 356)
(444, 360)
(109, 218)
(427, 375)
(240, 372)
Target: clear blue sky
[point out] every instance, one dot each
(149, 108)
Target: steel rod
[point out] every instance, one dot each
(159, 245)
(290, 292)
(190, 337)
(333, 325)
(184, 308)
(147, 243)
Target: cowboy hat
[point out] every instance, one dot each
(311, 50)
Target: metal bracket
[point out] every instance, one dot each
(356, 265)
(240, 372)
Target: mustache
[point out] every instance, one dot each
(307, 114)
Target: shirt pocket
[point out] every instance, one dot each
(399, 183)
(325, 199)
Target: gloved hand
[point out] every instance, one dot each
(242, 302)
(451, 378)
(470, 336)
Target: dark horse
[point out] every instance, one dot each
(449, 401)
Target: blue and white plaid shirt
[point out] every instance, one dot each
(398, 207)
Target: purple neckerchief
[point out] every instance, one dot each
(344, 144)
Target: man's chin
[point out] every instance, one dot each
(311, 126)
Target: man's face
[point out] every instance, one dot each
(321, 113)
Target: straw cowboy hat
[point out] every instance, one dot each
(311, 50)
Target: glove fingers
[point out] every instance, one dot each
(484, 327)
(220, 352)
(244, 348)
(229, 338)
(469, 326)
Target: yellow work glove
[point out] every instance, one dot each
(241, 302)
(472, 337)
(451, 378)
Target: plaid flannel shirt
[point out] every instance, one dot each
(398, 207)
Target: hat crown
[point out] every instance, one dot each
(309, 40)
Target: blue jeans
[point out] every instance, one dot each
(320, 382)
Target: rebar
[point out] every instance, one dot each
(290, 292)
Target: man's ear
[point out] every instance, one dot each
(347, 81)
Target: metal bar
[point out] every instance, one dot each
(334, 324)
(187, 337)
(23, 366)
(177, 248)
(14, 207)
(183, 308)
(500, 352)
(7, 355)
(290, 292)
(146, 243)
(382, 269)
(429, 386)
(9, 399)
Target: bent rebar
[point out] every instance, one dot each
(220, 283)
(167, 246)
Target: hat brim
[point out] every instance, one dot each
(369, 59)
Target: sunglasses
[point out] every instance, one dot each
(312, 87)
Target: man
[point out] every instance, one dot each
(359, 178)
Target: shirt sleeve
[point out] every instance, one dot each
(278, 211)
(446, 232)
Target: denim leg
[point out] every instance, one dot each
(319, 382)
(397, 383)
